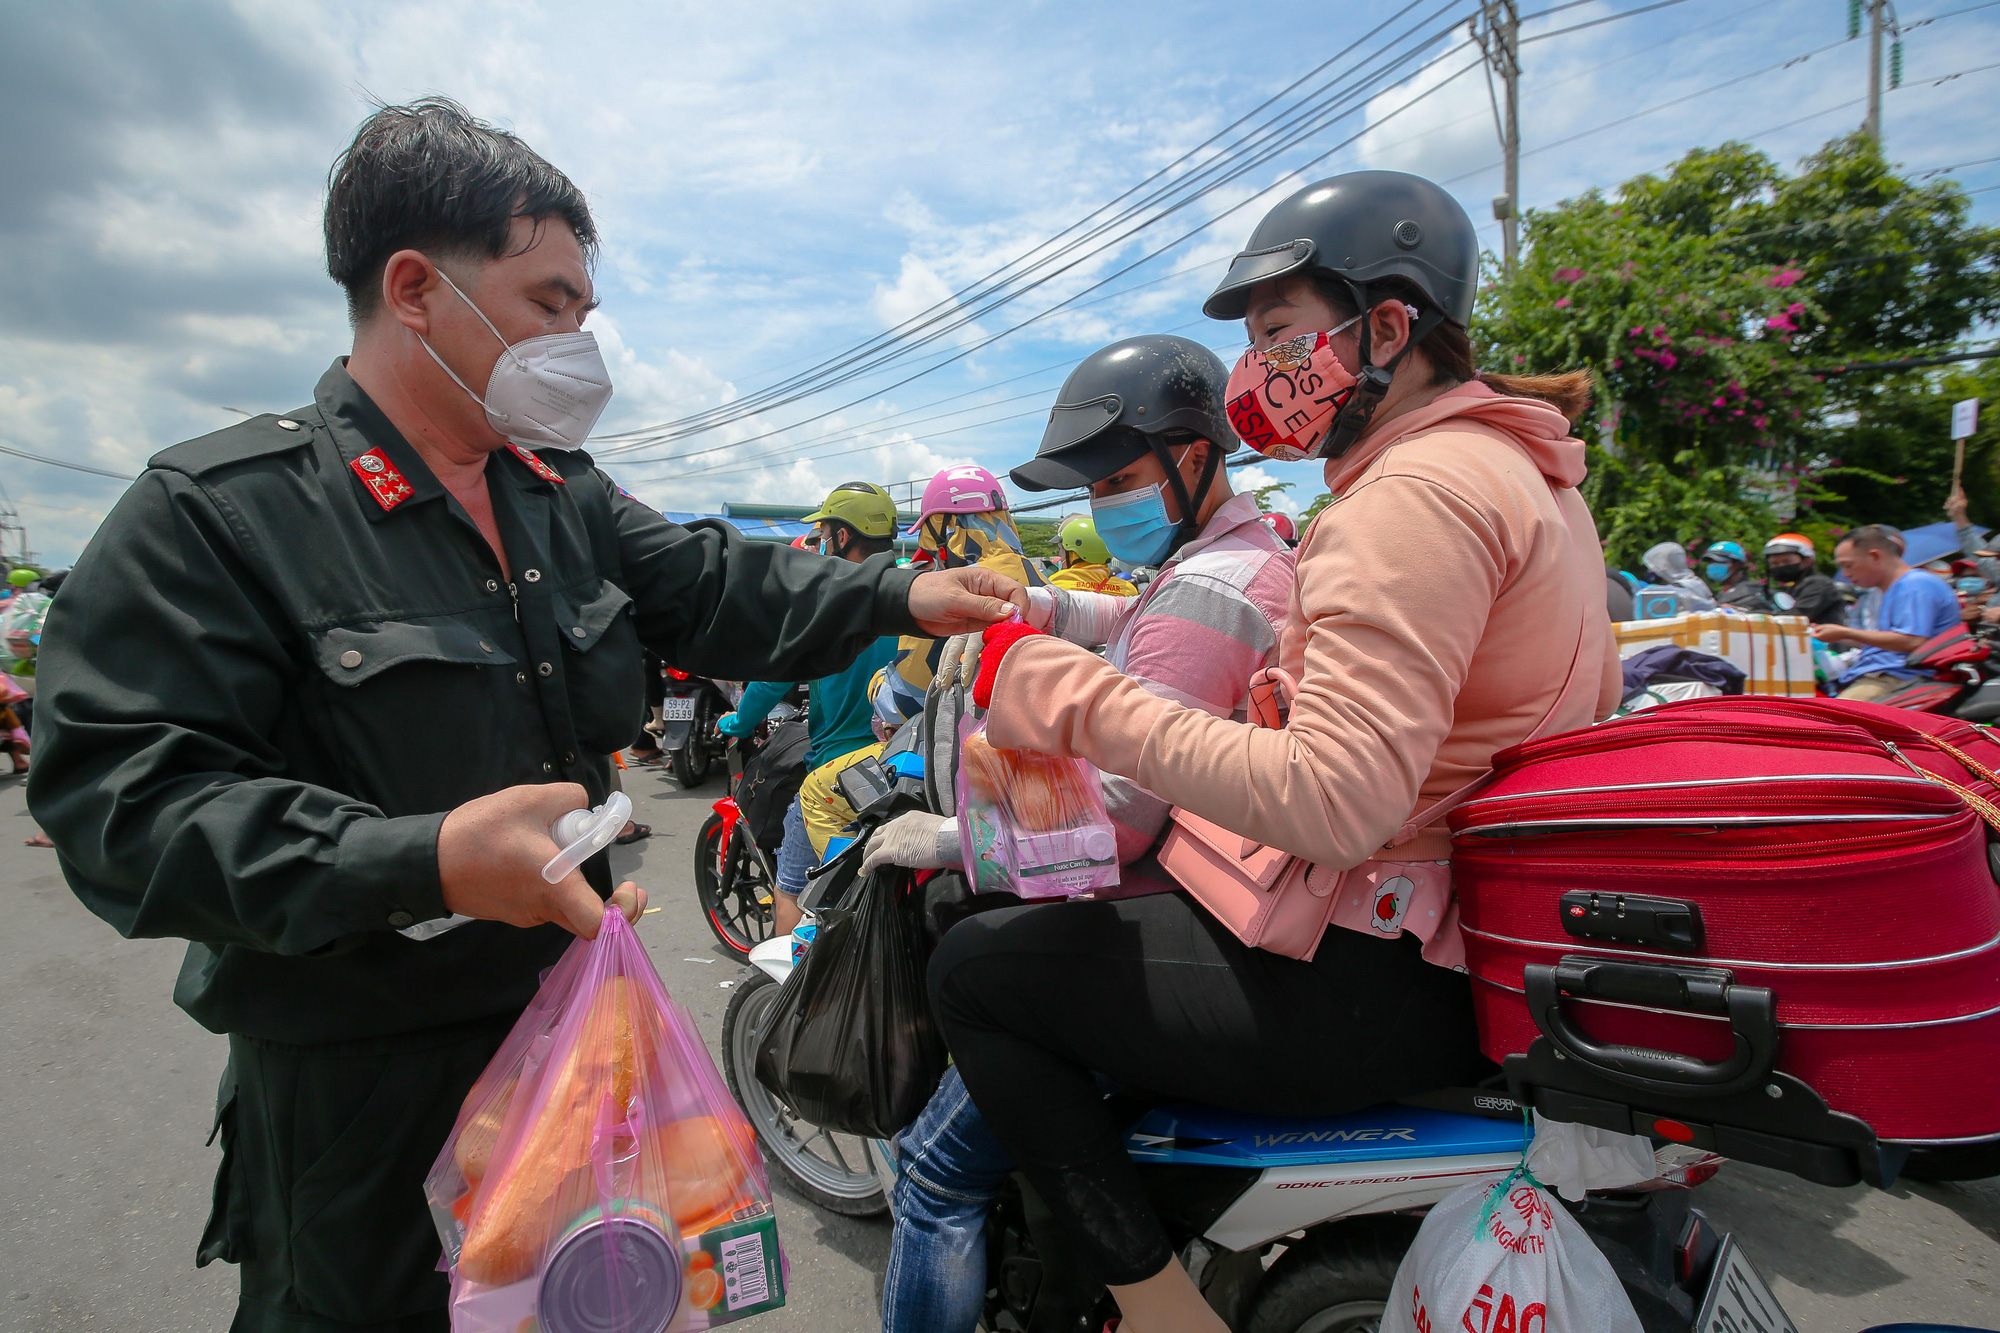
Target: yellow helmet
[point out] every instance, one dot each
(862, 505)
(1078, 534)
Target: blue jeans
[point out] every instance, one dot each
(795, 853)
(949, 1168)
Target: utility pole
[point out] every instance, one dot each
(1881, 18)
(1873, 125)
(1498, 32)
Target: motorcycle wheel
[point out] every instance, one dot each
(692, 762)
(1336, 1280)
(732, 887)
(828, 1169)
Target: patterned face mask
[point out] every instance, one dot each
(1283, 400)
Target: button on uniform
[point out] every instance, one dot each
(548, 767)
(400, 920)
(493, 585)
(350, 659)
(286, 423)
(545, 669)
(520, 678)
(532, 575)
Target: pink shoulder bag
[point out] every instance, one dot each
(1271, 899)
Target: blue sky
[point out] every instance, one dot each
(775, 183)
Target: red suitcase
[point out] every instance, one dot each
(1828, 860)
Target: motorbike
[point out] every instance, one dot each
(1286, 1224)
(1963, 681)
(736, 851)
(688, 714)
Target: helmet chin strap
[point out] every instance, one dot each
(1190, 525)
(1371, 382)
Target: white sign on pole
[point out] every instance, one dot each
(1964, 418)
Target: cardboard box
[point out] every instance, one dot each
(1774, 652)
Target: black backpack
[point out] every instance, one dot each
(771, 780)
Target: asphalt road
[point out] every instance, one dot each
(107, 1090)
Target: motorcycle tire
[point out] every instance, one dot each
(1954, 1161)
(831, 1171)
(690, 764)
(732, 888)
(1336, 1280)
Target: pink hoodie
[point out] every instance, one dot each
(1432, 623)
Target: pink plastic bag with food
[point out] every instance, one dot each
(1031, 824)
(600, 1177)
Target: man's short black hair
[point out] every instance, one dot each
(428, 176)
(857, 540)
(1871, 537)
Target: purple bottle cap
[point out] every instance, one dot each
(616, 1274)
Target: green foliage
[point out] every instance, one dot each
(1038, 536)
(1640, 502)
(1263, 494)
(1320, 502)
(1705, 300)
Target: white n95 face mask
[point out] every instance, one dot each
(545, 392)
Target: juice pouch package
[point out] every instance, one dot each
(600, 1178)
(1031, 823)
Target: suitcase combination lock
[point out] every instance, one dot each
(1630, 918)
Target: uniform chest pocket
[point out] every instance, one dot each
(426, 685)
(604, 666)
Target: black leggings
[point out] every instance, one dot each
(1158, 996)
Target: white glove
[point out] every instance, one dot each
(916, 839)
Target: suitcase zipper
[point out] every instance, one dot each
(1985, 808)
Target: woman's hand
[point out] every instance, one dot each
(918, 839)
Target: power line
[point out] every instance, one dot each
(74, 467)
(1250, 150)
(1176, 242)
(1608, 18)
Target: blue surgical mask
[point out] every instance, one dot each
(1135, 526)
(1716, 573)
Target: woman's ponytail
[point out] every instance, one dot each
(1449, 351)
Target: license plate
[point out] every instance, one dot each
(1739, 1300)
(677, 710)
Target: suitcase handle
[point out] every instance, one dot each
(1751, 1011)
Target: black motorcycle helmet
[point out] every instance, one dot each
(1137, 395)
(1382, 234)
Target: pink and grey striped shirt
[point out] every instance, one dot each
(1195, 635)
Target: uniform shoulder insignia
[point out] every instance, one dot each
(255, 438)
(389, 487)
(537, 466)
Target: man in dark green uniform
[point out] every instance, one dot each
(325, 677)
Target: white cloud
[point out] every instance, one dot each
(769, 192)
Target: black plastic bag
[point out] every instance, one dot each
(852, 1046)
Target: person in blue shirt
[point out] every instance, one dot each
(857, 523)
(1915, 606)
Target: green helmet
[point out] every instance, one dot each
(1078, 534)
(862, 505)
(21, 578)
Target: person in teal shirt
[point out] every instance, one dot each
(857, 523)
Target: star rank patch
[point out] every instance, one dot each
(389, 487)
(537, 466)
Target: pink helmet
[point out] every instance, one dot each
(965, 489)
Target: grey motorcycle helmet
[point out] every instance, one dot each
(1120, 403)
(1383, 234)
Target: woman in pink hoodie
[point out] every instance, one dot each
(1448, 604)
